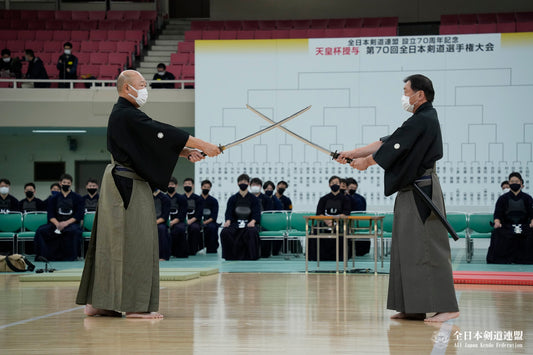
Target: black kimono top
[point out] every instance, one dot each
(511, 209)
(411, 149)
(250, 201)
(149, 147)
(332, 205)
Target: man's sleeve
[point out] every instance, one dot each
(399, 144)
(230, 208)
(256, 210)
(214, 210)
(79, 208)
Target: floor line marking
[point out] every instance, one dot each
(40, 317)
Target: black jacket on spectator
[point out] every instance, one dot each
(35, 204)
(166, 76)
(10, 203)
(67, 62)
(36, 70)
(14, 66)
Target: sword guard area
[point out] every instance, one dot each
(335, 155)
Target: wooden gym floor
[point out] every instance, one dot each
(240, 313)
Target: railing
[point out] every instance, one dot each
(93, 83)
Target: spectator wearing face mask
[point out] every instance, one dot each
(67, 64)
(505, 186)
(195, 208)
(512, 238)
(30, 203)
(10, 67)
(332, 204)
(358, 203)
(281, 187)
(36, 69)
(54, 190)
(90, 201)
(61, 237)
(162, 74)
(7, 201)
(240, 235)
(178, 218)
(209, 218)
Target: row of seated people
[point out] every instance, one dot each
(61, 237)
(486, 23)
(237, 25)
(240, 235)
(188, 223)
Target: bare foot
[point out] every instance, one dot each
(442, 317)
(91, 311)
(409, 316)
(144, 315)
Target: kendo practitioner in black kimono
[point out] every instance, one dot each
(31, 203)
(267, 203)
(240, 235)
(121, 272)
(91, 199)
(194, 217)
(358, 203)
(60, 239)
(209, 218)
(178, 219)
(421, 279)
(162, 212)
(8, 202)
(333, 204)
(512, 238)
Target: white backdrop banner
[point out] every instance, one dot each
(483, 85)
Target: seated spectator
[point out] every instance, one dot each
(162, 74)
(178, 217)
(195, 208)
(240, 235)
(36, 69)
(505, 186)
(67, 64)
(209, 218)
(343, 186)
(54, 190)
(512, 238)
(10, 67)
(332, 204)
(7, 201)
(90, 201)
(286, 202)
(270, 202)
(162, 211)
(60, 239)
(358, 203)
(267, 204)
(30, 203)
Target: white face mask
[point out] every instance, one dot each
(406, 105)
(161, 73)
(4, 190)
(506, 190)
(142, 96)
(7, 59)
(255, 189)
(67, 51)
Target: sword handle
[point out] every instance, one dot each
(335, 155)
(220, 147)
